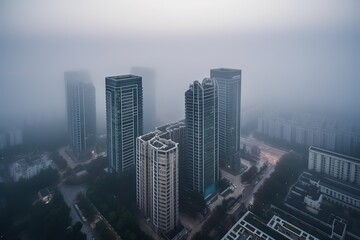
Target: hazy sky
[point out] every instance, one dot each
(294, 52)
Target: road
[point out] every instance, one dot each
(69, 193)
(270, 155)
(73, 162)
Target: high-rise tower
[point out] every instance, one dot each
(202, 141)
(149, 94)
(229, 92)
(81, 112)
(124, 120)
(157, 181)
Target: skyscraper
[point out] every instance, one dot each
(202, 141)
(149, 86)
(81, 112)
(124, 120)
(157, 184)
(229, 92)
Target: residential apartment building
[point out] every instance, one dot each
(157, 181)
(229, 97)
(81, 112)
(26, 168)
(149, 95)
(202, 136)
(11, 138)
(124, 120)
(334, 164)
(312, 130)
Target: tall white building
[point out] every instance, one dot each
(157, 181)
(334, 164)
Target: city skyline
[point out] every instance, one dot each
(181, 120)
(320, 52)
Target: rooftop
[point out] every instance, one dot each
(162, 144)
(225, 73)
(339, 227)
(44, 192)
(251, 225)
(346, 188)
(123, 77)
(148, 136)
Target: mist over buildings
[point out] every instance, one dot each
(289, 63)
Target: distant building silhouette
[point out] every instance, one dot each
(202, 139)
(309, 129)
(81, 112)
(149, 94)
(229, 92)
(157, 184)
(124, 120)
(11, 138)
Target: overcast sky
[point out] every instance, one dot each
(304, 52)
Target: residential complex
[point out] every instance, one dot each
(311, 130)
(81, 112)
(334, 164)
(28, 167)
(328, 204)
(314, 189)
(202, 136)
(124, 120)
(157, 181)
(229, 95)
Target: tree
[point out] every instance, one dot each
(49, 221)
(249, 175)
(74, 233)
(114, 197)
(275, 188)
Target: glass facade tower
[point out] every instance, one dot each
(124, 120)
(229, 92)
(202, 141)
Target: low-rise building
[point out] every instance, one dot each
(26, 168)
(314, 188)
(44, 195)
(334, 164)
(250, 226)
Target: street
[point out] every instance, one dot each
(269, 155)
(69, 193)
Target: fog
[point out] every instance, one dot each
(293, 54)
